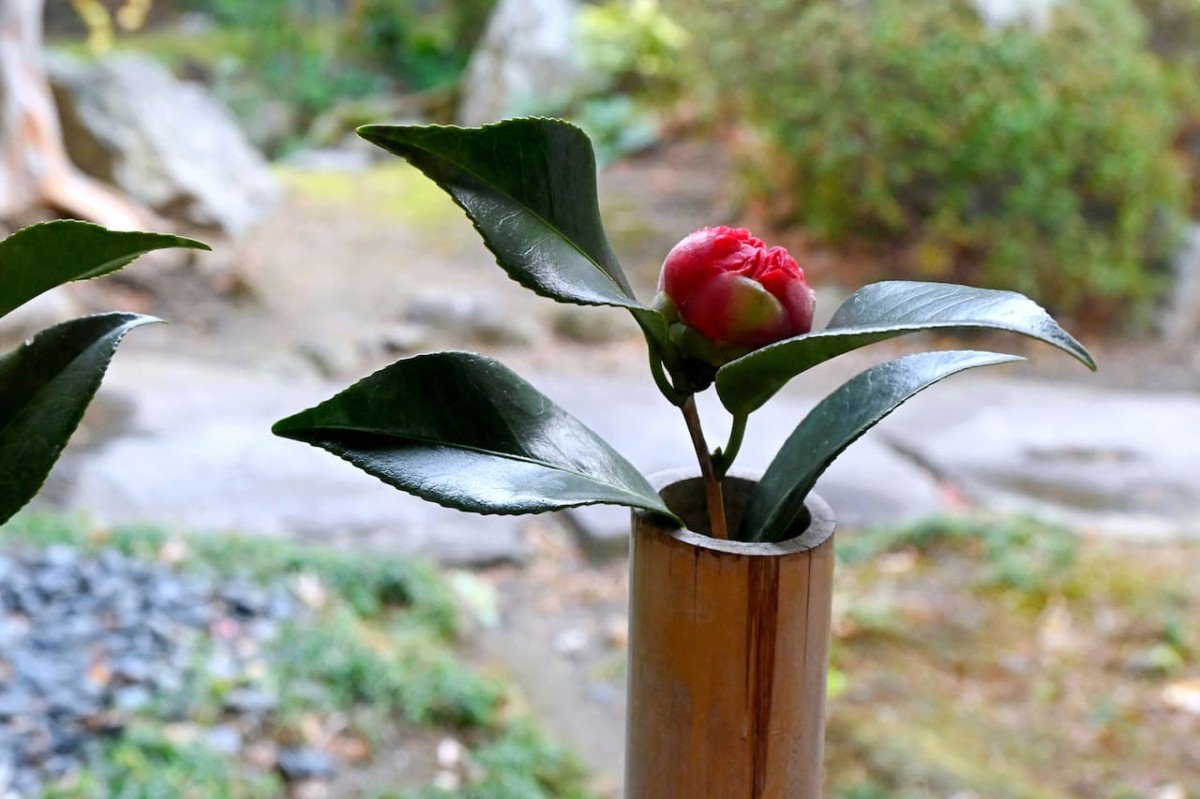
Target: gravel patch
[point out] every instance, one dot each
(89, 641)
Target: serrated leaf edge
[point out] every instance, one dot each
(624, 289)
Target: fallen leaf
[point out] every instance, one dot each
(173, 551)
(309, 589)
(1183, 695)
(450, 753)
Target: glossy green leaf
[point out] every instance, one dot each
(462, 430)
(529, 186)
(882, 311)
(45, 386)
(38, 258)
(835, 423)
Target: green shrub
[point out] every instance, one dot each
(428, 43)
(1033, 160)
(314, 55)
(631, 49)
(1174, 37)
(632, 44)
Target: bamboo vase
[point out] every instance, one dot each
(728, 647)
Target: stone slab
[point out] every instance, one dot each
(1179, 322)
(196, 452)
(170, 144)
(192, 448)
(1121, 463)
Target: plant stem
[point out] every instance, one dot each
(664, 385)
(725, 456)
(712, 483)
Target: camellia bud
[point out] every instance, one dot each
(728, 286)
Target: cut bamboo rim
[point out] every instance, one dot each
(729, 647)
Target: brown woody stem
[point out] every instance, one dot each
(712, 484)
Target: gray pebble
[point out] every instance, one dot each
(304, 763)
(88, 640)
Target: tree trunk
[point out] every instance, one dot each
(34, 167)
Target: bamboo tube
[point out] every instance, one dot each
(729, 645)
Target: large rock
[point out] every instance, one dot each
(526, 61)
(167, 143)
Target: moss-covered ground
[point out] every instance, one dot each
(1008, 659)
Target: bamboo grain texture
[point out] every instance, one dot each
(729, 646)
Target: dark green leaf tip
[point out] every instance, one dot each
(462, 430)
(839, 420)
(528, 186)
(377, 132)
(57, 226)
(37, 258)
(45, 386)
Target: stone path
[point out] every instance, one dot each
(189, 446)
(1109, 462)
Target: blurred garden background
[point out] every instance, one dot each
(1018, 612)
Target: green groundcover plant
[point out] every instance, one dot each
(48, 381)
(462, 430)
(1030, 157)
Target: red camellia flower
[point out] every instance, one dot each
(726, 284)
